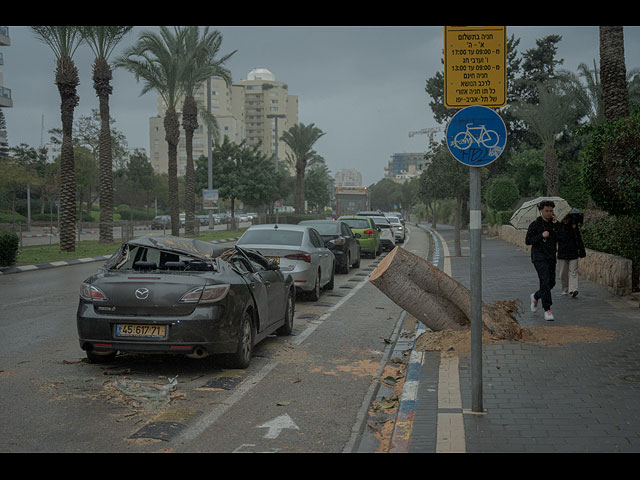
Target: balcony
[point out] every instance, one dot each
(5, 97)
(5, 40)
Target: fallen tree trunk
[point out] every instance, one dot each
(436, 299)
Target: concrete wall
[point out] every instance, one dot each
(608, 270)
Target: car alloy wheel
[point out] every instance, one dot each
(242, 357)
(289, 313)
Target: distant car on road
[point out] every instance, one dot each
(365, 231)
(161, 222)
(338, 238)
(298, 250)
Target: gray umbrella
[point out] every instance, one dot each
(528, 212)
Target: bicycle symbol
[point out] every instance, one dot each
(479, 135)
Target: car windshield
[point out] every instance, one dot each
(357, 223)
(381, 221)
(271, 237)
(325, 228)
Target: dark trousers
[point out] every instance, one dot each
(547, 277)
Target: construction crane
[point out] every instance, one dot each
(426, 131)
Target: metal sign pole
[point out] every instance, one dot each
(475, 238)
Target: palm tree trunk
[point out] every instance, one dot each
(551, 170)
(190, 123)
(300, 168)
(67, 82)
(172, 136)
(101, 82)
(438, 300)
(613, 73)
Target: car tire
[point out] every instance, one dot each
(315, 293)
(347, 264)
(101, 357)
(242, 357)
(289, 314)
(331, 283)
(357, 264)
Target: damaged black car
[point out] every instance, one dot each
(177, 295)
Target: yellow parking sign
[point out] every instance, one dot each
(475, 70)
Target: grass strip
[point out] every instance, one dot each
(37, 254)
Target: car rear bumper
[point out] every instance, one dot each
(206, 328)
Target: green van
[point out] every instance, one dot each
(366, 232)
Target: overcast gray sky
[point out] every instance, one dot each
(362, 86)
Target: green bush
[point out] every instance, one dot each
(9, 243)
(617, 235)
(502, 194)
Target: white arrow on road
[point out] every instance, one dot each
(278, 424)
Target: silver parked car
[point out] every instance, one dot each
(298, 250)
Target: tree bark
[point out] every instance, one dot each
(436, 299)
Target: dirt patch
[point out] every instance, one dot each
(451, 342)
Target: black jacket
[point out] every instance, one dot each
(570, 244)
(542, 249)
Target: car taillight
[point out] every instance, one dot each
(206, 294)
(91, 293)
(305, 257)
(369, 232)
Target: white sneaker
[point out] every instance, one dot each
(534, 303)
(548, 315)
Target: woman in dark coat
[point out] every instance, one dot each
(570, 249)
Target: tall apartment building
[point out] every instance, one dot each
(403, 166)
(5, 93)
(251, 110)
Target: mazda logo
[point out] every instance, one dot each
(142, 293)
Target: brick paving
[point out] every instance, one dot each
(571, 397)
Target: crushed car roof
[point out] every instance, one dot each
(188, 246)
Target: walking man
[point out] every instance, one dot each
(543, 237)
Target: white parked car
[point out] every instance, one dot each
(398, 228)
(387, 238)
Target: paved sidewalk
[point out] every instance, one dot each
(570, 397)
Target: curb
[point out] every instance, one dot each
(64, 263)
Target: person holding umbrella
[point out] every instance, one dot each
(570, 248)
(542, 235)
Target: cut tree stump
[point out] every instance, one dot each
(436, 299)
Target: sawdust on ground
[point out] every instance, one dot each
(451, 342)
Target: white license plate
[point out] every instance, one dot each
(141, 331)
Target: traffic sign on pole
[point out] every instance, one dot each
(475, 71)
(476, 136)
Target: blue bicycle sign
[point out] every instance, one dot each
(476, 136)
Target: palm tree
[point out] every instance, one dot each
(615, 96)
(156, 59)
(547, 120)
(199, 64)
(64, 41)
(300, 138)
(102, 40)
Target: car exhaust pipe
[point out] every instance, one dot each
(198, 353)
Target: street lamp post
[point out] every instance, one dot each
(276, 116)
